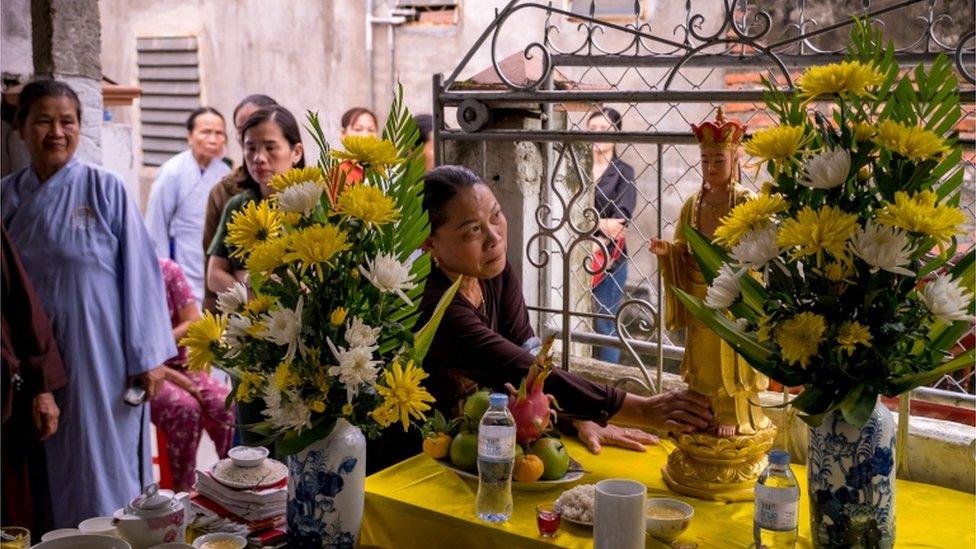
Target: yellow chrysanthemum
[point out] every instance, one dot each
(257, 329)
(369, 204)
(321, 381)
(202, 340)
(291, 219)
(315, 245)
(317, 406)
(864, 132)
(747, 216)
(258, 305)
(838, 271)
(799, 337)
(248, 386)
(369, 151)
(814, 232)
(383, 415)
(777, 143)
(257, 222)
(851, 334)
(347, 409)
(284, 378)
(403, 396)
(295, 176)
(763, 329)
(338, 316)
(267, 256)
(922, 214)
(912, 142)
(848, 78)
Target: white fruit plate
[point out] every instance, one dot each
(574, 473)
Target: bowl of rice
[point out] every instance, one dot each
(576, 504)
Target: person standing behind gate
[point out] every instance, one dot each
(358, 121)
(614, 197)
(84, 246)
(178, 199)
(228, 187)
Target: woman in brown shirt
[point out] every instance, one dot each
(485, 337)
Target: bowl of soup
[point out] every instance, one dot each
(220, 541)
(666, 518)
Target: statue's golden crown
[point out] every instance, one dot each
(720, 133)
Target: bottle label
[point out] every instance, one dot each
(776, 508)
(496, 441)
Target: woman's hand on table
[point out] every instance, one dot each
(674, 411)
(593, 436)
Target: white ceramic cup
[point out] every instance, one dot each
(618, 517)
(100, 526)
(60, 533)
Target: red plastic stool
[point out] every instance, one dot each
(162, 459)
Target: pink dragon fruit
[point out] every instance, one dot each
(529, 405)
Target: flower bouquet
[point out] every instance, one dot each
(842, 275)
(325, 330)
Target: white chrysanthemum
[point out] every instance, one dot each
(883, 247)
(232, 299)
(356, 367)
(237, 328)
(827, 169)
(389, 275)
(724, 289)
(284, 327)
(360, 334)
(285, 410)
(301, 198)
(757, 247)
(946, 299)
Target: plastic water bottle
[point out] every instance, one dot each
(496, 458)
(777, 502)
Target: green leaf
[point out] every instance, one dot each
(292, 443)
(711, 257)
(425, 336)
(813, 400)
(905, 383)
(745, 345)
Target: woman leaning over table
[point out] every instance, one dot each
(485, 337)
(85, 248)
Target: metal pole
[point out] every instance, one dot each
(437, 111)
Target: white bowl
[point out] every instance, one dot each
(99, 526)
(220, 536)
(172, 545)
(84, 541)
(667, 528)
(247, 456)
(60, 533)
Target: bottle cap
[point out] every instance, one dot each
(498, 400)
(779, 457)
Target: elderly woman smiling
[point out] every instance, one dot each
(485, 338)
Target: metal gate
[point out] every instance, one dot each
(661, 74)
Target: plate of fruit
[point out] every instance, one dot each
(541, 460)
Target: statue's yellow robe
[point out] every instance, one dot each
(710, 366)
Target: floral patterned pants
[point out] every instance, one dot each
(183, 418)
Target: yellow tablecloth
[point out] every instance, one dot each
(418, 503)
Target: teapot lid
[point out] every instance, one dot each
(151, 499)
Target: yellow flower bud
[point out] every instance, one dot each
(347, 409)
(317, 406)
(338, 316)
(355, 273)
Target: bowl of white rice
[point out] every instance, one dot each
(576, 504)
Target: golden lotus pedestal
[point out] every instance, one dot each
(716, 468)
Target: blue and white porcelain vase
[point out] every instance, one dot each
(851, 481)
(326, 490)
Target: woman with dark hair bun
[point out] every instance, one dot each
(228, 187)
(485, 338)
(359, 121)
(178, 199)
(614, 197)
(84, 246)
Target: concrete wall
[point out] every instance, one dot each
(15, 39)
